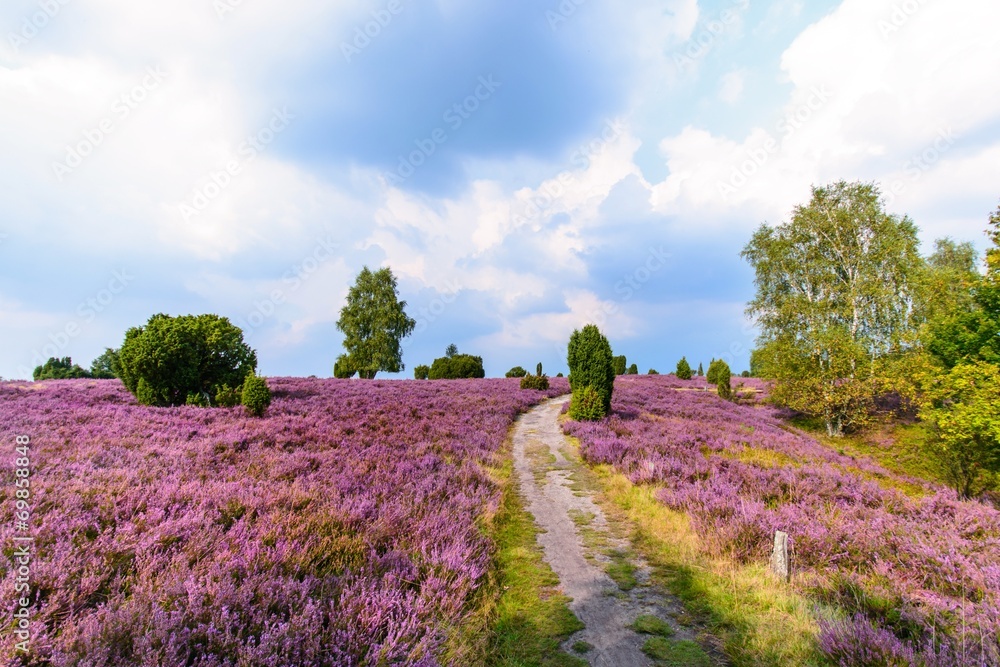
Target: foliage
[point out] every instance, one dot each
(620, 364)
(516, 372)
(591, 365)
(538, 369)
(652, 371)
(199, 399)
(632, 370)
(739, 473)
(559, 375)
(373, 322)
(421, 372)
(712, 377)
(59, 369)
(256, 396)
(105, 367)
(683, 371)
(963, 408)
(174, 357)
(723, 384)
(451, 350)
(342, 368)
(587, 405)
(351, 525)
(701, 370)
(538, 382)
(835, 290)
(455, 366)
(229, 397)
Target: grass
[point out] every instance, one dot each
(760, 620)
(522, 618)
(676, 653)
(647, 624)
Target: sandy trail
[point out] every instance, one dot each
(597, 601)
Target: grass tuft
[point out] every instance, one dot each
(647, 624)
(670, 653)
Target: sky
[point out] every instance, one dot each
(524, 168)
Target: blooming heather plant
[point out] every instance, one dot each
(922, 567)
(346, 527)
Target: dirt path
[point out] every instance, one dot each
(581, 549)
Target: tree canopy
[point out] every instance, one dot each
(591, 373)
(59, 369)
(373, 322)
(834, 298)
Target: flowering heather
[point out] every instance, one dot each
(343, 528)
(918, 568)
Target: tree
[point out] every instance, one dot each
(714, 366)
(342, 369)
(683, 371)
(373, 322)
(455, 366)
(59, 369)
(105, 366)
(632, 370)
(590, 365)
(256, 396)
(723, 383)
(620, 365)
(963, 408)
(538, 369)
(701, 371)
(172, 358)
(421, 372)
(652, 371)
(516, 372)
(835, 289)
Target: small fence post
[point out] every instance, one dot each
(779, 557)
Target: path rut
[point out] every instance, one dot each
(597, 601)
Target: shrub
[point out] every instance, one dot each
(199, 399)
(722, 380)
(456, 367)
(105, 367)
(421, 372)
(587, 405)
(559, 375)
(516, 372)
(539, 382)
(712, 377)
(591, 365)
(256, 395)
(652, 371)
(701, 371)
(745, 374)
(620, 365)
(178, 356)
(683, 369)
(59, 369)
(228, 397)
(538, 369)
(632, 370)
(342, 368)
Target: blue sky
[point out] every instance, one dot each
(524, 167)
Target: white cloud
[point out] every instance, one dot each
(731, 87)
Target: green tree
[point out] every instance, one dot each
(59, 369)
(171, 358)
(456, 367)
(105, 367)
(712, 377)
(373, 322)
(538, 369)
(723, 382)
(652, 371)
(963, 408)
(516, 372)
(835, 289)
(683, 371)
(590, 365)
(421, 372)
(701, 370)
(620, 365)
(342, 369)
(256, 396)
(632, 370)
(451, 351)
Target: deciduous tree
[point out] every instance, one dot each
(374, 322)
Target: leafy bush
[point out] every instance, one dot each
(701, 370)
(178, 356)
(722, 380)
(559, 375)
(683, 371)
(105, 367)
(745, 374)
(256, 395)
(632, 370)
(342, 368)
(457, 366)
(59, 369)
(620, 365)
(652, 371)
(538, 369)
(516, 372)
(712, 377)
(591, 365)
(421, 372)
(199, 399)
(587, 405)
(228, 397)
(539, 382)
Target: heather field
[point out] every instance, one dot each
(915, 571)
(346, 527)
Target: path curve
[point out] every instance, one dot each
(596, 600)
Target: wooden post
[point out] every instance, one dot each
(779, 557)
